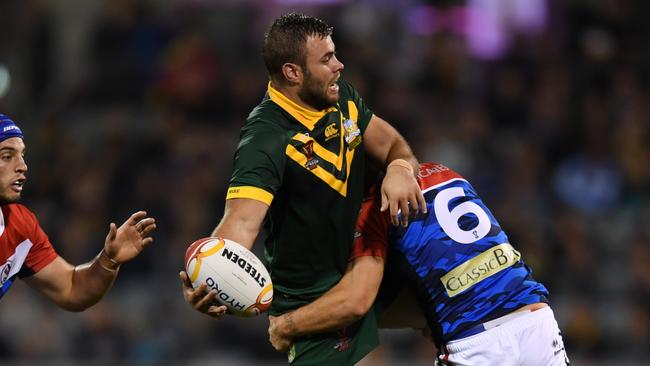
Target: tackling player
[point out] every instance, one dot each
(26, 252)
(480, 301)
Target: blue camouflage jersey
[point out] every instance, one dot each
(461, 263)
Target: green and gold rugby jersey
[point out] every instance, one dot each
(302, 164)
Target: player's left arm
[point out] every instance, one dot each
(399, 188)
(339, 307)
(76, 288)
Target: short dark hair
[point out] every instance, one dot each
(286, 39)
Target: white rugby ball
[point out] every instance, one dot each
(242, 282)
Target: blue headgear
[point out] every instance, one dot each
(8, 128)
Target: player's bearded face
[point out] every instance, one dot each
(12, 169)
(321, 72)
(315, 92)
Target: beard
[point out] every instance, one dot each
(313, 93)
(4, 200)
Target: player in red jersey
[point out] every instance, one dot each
(26, 252)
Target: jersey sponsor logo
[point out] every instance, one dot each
(433, 175)
(475, 270)
(331, 131)
(430, 169)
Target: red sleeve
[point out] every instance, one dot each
(42, 252)
(371, 232)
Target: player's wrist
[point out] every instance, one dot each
(107, 262)
(288, 328)
(400, 163)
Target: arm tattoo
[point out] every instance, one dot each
(291, 325)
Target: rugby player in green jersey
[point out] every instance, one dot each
(299, 170)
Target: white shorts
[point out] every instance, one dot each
(527, 338)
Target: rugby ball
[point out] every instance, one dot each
(242, 282)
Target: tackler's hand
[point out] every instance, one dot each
(400, 191)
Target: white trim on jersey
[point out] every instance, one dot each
(2, 222)
(15, 262)
(443, 183)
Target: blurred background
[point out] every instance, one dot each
(543, 104)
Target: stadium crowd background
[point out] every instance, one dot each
(543, 104)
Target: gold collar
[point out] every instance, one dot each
(303, 115)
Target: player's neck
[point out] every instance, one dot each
(291, 92)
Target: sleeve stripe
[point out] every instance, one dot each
(255, 193)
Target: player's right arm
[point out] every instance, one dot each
(241, 223)
(257, 175)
